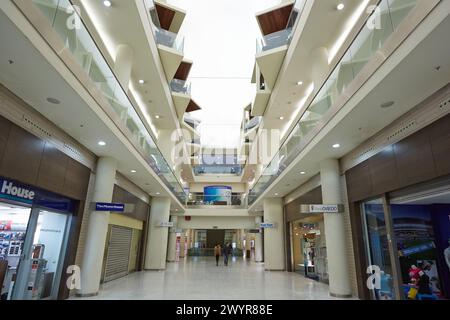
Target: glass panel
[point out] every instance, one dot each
(14, 222)
(369, 40)
(377, 247)
(47, 252)
(78, 41)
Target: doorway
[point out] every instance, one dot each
(38, 251)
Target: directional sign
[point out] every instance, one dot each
(112, 207)
(267, 225)
(166, 224)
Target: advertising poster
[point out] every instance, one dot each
(217, 195)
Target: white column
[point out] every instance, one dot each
(91, 268)
(334, 230)
(171, 247)
(274, 237)
(124, 64)
(156, 251)
(258, 242)
(248, 245)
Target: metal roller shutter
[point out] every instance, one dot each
(118, 255)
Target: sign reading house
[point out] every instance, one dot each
(11, 190)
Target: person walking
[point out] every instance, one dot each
(217, 251)
(225, 254)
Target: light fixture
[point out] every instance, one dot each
(303, 173)
(141, 81)
(157, 116)
(276, 194)
(102, 143)
(158, 193)
(336, 145)
(53, 100)
(387, 104)
(340, 6)
(107, 3)
(281, 118)
(133, 171)
(300, 83)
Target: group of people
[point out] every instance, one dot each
(225, 252)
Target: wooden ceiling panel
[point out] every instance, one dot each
(275, 20)
(183, 70)
(165, 16)
(193, 106)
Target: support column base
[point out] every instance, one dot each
(344, 296)
(86, 295)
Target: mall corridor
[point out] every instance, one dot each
(198, 278)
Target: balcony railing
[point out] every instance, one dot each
(85, 52)
(282, 37)
(180, 86)
(364, 47)
(163, 37)
(218, 169)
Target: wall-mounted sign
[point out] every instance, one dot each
(13, 191)
(217, 194)
(267, 225)
(166, 224)
(112, 207)
(322, 208)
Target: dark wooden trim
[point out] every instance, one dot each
(165, 16)
(275, 20)
(183, 70)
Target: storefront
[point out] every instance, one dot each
(305, 240)
(309, 254)
(400, 211)
(42, 201)
(126, 240)
(34, 227)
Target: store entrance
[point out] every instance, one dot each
(309, 248)
(407, 236)
(33, 247)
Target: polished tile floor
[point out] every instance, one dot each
(199, 278)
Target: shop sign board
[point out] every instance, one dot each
(111, 207)
(13, 191)
(322, 208)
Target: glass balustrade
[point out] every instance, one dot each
(383, 22)
(282, 37)
(218, 169)
(180, 86)
(68, 24)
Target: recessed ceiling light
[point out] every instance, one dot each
(102, 143)
(281, 118)
(303, 173)
(53, 101)
(336, 145)
(158, 193)
(107, 3)
(340, 6)
(133, 171)
(157, 116)
(387, 104)
(141, 81)
(300, 83)
(276, 194)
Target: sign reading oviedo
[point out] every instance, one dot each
(322, 208)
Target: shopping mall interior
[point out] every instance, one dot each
(150, 151)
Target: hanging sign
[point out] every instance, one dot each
(322, 208)
(112, 207)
